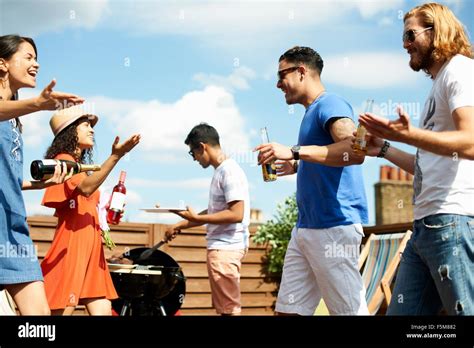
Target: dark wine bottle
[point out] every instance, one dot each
(44, 169)
(117, 201)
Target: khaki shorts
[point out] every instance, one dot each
(223, 267)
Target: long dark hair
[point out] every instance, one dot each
(9, 45)
(66, 142)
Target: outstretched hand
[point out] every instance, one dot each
(121, 149)
(396, 130)
(51, 100)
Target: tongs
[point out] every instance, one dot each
(148, 252)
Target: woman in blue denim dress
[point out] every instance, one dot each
(20, 272)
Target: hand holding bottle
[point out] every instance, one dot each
(60, 175)
(121, 149)
(116, 204)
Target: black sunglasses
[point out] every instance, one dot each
(282, 73)
(411, 34)
(192, 152)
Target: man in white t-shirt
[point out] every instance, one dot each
(227, 218)
(437, 267)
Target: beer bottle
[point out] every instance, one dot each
(360, 143)
(269, 169)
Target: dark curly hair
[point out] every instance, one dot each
(66, 142)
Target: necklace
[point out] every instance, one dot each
(317, 96)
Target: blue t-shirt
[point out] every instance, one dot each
(327, 196)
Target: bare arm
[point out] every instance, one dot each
(188, 224)
(47, 100)
(172, 231)
(458, 143)
(60, 175)
(90, 184)
(338, 154)
(233, 214)
(402, 159)
(15, 108)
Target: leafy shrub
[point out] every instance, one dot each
(276, 233)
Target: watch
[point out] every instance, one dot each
(295, 149)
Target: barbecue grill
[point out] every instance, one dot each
(155, 286)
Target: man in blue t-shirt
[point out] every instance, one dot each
(322, 256)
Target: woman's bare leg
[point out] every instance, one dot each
(98, 306)
(30, 298)
(63, 311)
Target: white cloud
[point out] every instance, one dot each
(32, 17)
(164, 127)
(228, 22)
(208, 18)
(371, 8)
(238, 80)
(369, 70)
(385, 21)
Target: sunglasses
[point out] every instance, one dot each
(192, 152)
(411, 34)
(282, 73)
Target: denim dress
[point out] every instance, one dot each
(18, 259)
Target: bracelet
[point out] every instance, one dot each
(384, 149)
(295, 166)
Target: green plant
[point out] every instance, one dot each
(276, 233)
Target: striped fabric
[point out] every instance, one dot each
(381, 251)
(7, 307)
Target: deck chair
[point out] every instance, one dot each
(380, 258)
(7, 306)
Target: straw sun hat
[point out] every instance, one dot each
(63, 118)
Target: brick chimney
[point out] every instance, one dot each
(393, 196)
(256, 216)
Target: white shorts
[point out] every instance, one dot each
(323, 263)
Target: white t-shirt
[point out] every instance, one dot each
(228, 184)
(445, 184)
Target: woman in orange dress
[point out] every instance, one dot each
(74, 269)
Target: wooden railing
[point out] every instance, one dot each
(189, 250)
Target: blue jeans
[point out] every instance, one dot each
(437, 268)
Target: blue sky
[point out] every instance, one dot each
(160, 67)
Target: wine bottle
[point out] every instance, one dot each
(44, 169)
(269, 169)
(117, 201)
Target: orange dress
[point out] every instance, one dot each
(74, 267)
